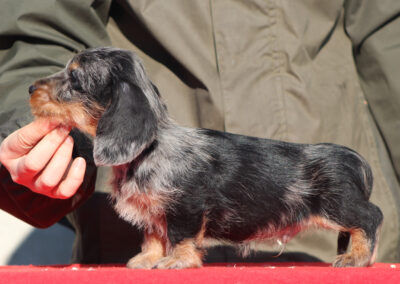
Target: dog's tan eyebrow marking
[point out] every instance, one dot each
(74, 65)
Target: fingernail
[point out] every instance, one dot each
(80, 163)
(69, 140)
(62, 195)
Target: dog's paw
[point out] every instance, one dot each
(171, 262)
(142, 261)
(349, 260)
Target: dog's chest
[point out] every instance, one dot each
(145, 210)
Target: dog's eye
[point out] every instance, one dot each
(75, 81)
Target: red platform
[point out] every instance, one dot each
(211, 273)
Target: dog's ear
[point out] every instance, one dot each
(126, 128)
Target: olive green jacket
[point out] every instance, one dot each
(297, 70)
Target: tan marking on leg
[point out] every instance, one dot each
(153, 249)
(360, 253)
(360, 246)
(200, 236)
(183, 255)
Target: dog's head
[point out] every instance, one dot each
(106, 93)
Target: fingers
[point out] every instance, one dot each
(56, 168)
(40, 155)
(73, 181)
(74, 176)
(60, 178)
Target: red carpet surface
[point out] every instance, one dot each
(211, 273)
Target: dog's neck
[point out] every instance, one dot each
(170, 153)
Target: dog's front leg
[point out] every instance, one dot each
(153, 249)
(186, 244)
(183, 255)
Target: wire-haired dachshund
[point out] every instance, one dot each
(190, 188)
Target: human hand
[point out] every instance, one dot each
(39, 156)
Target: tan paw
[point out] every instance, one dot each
(348, 260)
(171, 262)
(142, 261)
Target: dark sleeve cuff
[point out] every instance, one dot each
(36, 209)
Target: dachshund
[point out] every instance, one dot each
(189, 188)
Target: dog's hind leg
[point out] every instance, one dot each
(363, 225)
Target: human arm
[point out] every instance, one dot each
(37, 38)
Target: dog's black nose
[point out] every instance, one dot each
(32, 88)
